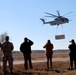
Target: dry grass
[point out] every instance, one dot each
(41, 55)
(59, 67)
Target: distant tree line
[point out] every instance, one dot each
(2, 37)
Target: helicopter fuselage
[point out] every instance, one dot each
(61, 20)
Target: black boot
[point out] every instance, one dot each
(5, 72)
(11, 71)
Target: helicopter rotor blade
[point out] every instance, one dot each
(58, 13)
(68, 13)
(51, 14)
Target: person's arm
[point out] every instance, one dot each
(52, 46)
(0, 44)
(21, 48)
(12, 46)
(44, 46)
(31, 42)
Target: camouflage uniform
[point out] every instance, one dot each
(7, 48)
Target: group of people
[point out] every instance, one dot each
(25, 47)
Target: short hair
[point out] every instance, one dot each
(48, 41)
(7, 38)
(25, 39)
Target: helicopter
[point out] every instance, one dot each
(58, 19)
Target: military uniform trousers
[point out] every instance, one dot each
(7, 58)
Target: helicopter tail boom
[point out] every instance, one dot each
(50, 22)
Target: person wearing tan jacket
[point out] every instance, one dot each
(7, 48)
(49, 51)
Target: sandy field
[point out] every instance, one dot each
(60, 65)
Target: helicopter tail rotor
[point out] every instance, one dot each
(70, 20)
(42, 20)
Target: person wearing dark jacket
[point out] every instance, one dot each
(72, 54)
(25, 48)
(49, 52)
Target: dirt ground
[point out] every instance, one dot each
(59, 67)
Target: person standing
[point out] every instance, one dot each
(49, 52)
(0, 55)
(7, 48)
(72, 54)
(25, 48)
